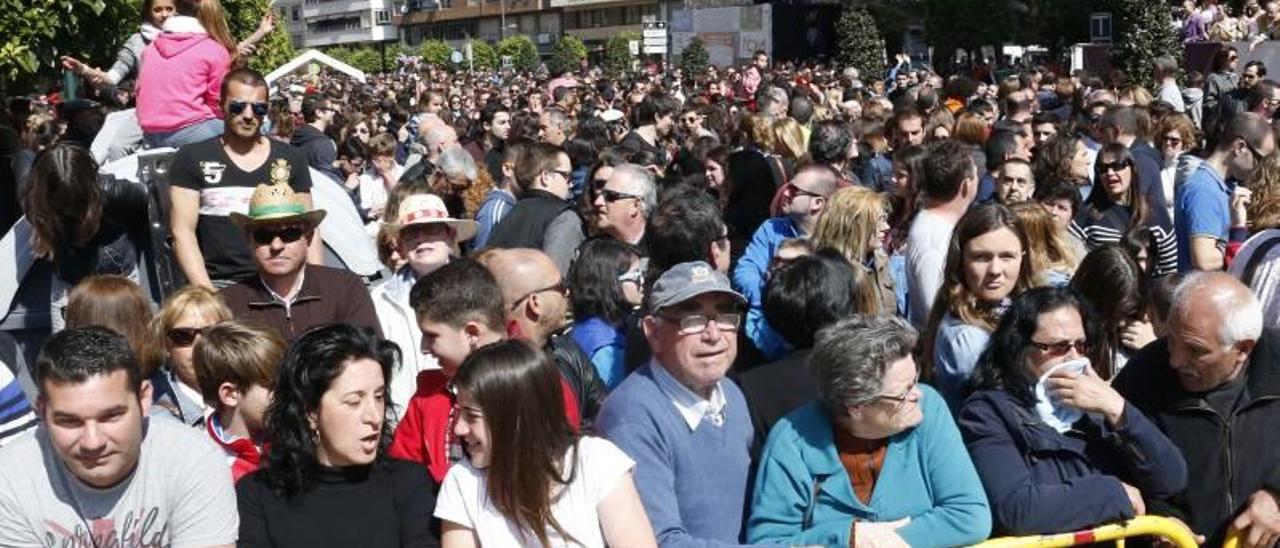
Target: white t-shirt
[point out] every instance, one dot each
(463, 499)
(180, 495)
(926, 259)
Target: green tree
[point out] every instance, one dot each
(617, 53)
(524, 55)
(363, 58)
(694, 58)
(36, 33)
(1145, 31)
(436, 52)
(566, 55)
(859, 44)
(244, 16)
(483, 54)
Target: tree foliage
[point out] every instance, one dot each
(1145, 30)
(436, 52)
(860, 43)
(364, 58)
(524, 55)
(244, 16)
(617, 53)
(483, 54)
(566, 55)
(694, 58)
(36, 33)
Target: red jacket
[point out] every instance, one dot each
(243, 454)
(425, 431)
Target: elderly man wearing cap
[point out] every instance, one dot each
(684, 424)
(427, 239)
(286, 294)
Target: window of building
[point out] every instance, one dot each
(381, 17)
(296, 13)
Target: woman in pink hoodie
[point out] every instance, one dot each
(180, 80)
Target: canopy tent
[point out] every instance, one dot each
(319, 57)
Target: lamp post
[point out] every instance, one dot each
(502, 8)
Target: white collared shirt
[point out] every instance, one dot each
(691, 406)
(293, 293)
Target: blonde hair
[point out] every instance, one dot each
(1048, 243)
(214, 20)
(192, 299)
(789, 141)
(849, 221)
(1136, 95)
(1264, 207)
(238, 353)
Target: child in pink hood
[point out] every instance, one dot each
(180, 80)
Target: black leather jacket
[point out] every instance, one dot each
(122, 235)
(581, 375)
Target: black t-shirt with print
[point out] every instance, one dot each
(225, 188)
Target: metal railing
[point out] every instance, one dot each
(1157, 526)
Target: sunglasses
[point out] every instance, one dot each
(264, 236)
(184, 336)
(237, 108)
(1062, 347)
(1117, 165)
(634, 276)
(615, 196)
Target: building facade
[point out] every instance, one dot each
(320, 23)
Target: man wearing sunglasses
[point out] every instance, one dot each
(321, 151)
(542, 218)
(212, 179)
(286, 294)
(691, 464)
(1208, 211)
(623, 203)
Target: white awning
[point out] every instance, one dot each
(319, 57)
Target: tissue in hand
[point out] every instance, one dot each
(1058, 416)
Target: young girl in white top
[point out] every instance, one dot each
(530, 480)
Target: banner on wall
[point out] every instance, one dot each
(730, 33)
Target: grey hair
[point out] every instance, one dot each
(456, 162)
(849, 358)
(1239, 307)
(642, 180)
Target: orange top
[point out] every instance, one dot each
(862, 459)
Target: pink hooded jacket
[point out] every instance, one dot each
(180, 78)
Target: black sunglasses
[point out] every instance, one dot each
(264, 236)
(1062, 347)
(615, 196)
(1117, 165)
(184, 336)
(237, 107)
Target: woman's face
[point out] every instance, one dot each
(472, 430)
(1116, 175)
(902, 181)
(631, 282)
(181, 338)
(881, 233)
(361, 131)
(426, 247)
(715, 173)
(992, 263)
(1080, 161)
(161, 11)
(1049, 344)
(1172, 145)
(896, 409)
(941, 132)
(348, 421)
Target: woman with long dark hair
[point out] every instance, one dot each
(987, 265)
(1113, 284)
(1117, 205)
(530, 480)
(1056, 447)
(327, 467)
(606, 282)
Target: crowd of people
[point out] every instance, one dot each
(775, 304)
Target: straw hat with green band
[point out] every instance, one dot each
(277, 203)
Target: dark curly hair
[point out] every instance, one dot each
(310, 366)
(593, 279)
(1002, 366)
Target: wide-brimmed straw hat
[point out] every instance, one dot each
(277, 202)
(418, 209)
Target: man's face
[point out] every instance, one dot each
(910, 132)
(501, 126)
(1014, 183)
(279, 249)
(616, 203)
(1250, 77)
(450, 345)
(761, 61)
(557, 180)
(664, 124)
(691, 123)
(1196, 350)
(549, 131)
(246, 123)
(1061, 211)
(700, 356)
(95, 426)
(1271, 104)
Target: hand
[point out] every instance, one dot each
(268, 24)
(73, 64)
(1135, 499)
(1088, 393)
(245, 50)
(1240, 199)
(1135, 334)
(352, 182)
(879, 534)
(1163, 542)
(1259, 524)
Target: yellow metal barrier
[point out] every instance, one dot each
(1140, 526)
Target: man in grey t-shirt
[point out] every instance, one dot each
(97, 472)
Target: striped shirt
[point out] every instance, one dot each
(16, 416)
(1107, 225)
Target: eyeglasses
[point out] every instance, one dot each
(697, 323)
(558, 287)
(1117, 166)
(611, 196)
(184, 336)
(1172, 141)
(688, 121)
(1061, 348)
(288, 235)
(797, 192)
(237, 107)
(903, 398)
(565, 174)
(634, 276)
